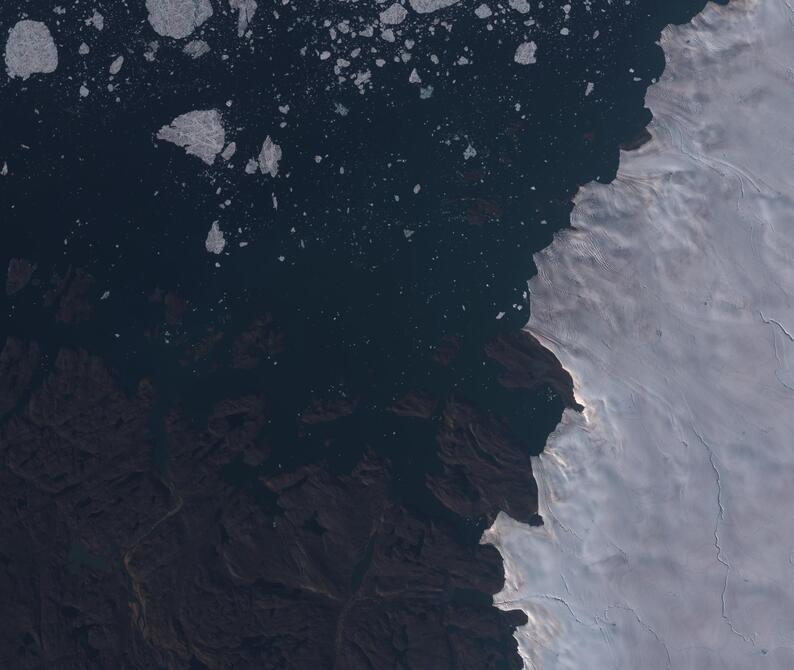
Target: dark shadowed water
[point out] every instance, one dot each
(359, 278)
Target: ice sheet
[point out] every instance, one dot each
(669, 533)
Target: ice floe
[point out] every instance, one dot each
(245, 13)
(177, 18)
(196, 49)
(30, 49)
(427, 6)
(199, 132)
(115, 66)
(394, 15)
(525, 53)
(269, 157)
(215, 242)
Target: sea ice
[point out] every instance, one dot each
(394, 15)
(30, 49)
(115, 66)
(427, 6)
(245, 13)
(200, 132)
(196, 49)
(269, 157)
(215, 242)
(483, 11)
(177, 18)
(525, 53)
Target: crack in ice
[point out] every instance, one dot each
(717, 544)
(777, 323)
(645, 625)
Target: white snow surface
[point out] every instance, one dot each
(668, 539)
(199, 132)
(177, 18)
(30, 49)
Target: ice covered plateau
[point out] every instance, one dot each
(668, 539)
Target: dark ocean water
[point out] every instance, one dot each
(361, 277)
(95, 190)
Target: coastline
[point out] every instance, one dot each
(664, 541)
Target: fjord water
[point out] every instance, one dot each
(364, 274)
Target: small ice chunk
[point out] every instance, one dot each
(151, 52)
(228, 152)
(83, 49)
(177, 18)
(251, 166)
(200, 132)
(30, 49)
(417, 188)
(196, 49)
(469, 152)
(269, 157)
(362, 78)
(425, 92)
(589, 89)
(521, 6)
(215, 241)
(483, 11)
(394, 15)
(245, 12)
(525, 53)
(96, 20)
(115, 66)
(414, 77)
(83, 91)
(427, 6)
